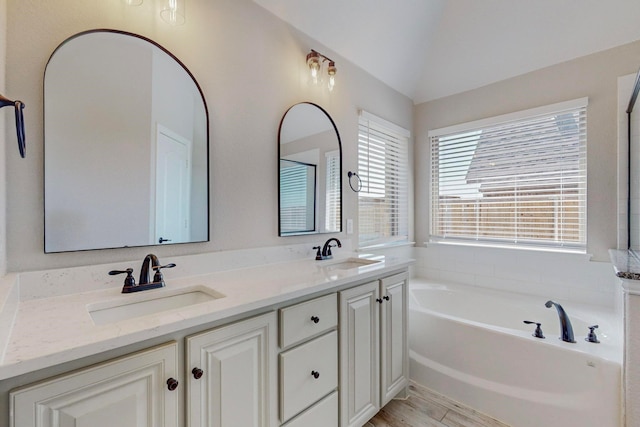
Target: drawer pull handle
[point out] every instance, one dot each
(172, 384)
(386, 297)
(197, 373)
(315, 374)
(315, 319)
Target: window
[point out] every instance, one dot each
(383, 162)
(297, 197)
(332, 211)
(518, 179)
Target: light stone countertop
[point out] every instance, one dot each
(52, 330)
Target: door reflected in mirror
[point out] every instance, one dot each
(310, 171)
(126, 146)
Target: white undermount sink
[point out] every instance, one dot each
(155, 301)
(350, 263)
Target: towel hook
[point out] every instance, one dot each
(18, 107)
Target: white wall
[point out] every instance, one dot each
(5, 139)
(117, 123)
(251, 67)
(594, 76)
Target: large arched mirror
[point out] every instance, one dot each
(309, 154)
(126, 146)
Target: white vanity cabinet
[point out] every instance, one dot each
(309, 363)
(140, 390)
(232, 375)
(374, 349)
(324, 361)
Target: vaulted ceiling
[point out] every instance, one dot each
(428, 49)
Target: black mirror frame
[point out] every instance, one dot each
(335, 128)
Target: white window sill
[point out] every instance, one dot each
(569, 251)
(385, 246)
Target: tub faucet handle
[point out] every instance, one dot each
(538, 332)
(592, 335)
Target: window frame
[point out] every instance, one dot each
(398, 139)
(520, 118)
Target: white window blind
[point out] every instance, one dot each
(519, 179)
(383, 162)
(297, 197)
(332, 212)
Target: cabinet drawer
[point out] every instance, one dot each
(299, 387)
(322, 414)
(307, 319)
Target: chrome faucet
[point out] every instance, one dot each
(326, 249)
(565, 323)
(145, 282)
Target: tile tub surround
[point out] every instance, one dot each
(550, 275)
(627, 269)
(51, 325)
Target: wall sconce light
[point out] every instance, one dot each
(173, 12)
(315, 62)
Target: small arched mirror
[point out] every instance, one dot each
(126, 146)
(310, 177)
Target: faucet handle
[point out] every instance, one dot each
(129, 281)
(157, 278)
(318, 254)
(538, 332)
(592, 337)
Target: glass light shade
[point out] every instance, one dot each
(173, 12)
(332, 70)
(313, 61)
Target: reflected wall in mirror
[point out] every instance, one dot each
(310, 178)
(126, 146)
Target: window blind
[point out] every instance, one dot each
(297, 197)
(383, 161)
(519, 179)
(332, 212)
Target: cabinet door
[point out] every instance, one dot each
(127, 392)
(238, 382)
(359, 354)
(394, 375)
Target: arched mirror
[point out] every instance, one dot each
(310, 178)
(126, 146)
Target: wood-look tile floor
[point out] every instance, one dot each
(425, 408)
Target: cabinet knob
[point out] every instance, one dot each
(378, 300)
(197, 373)
(386, 297)
(315, 319)
(315, 374)
(172, 384)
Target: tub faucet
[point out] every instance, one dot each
(565, 323)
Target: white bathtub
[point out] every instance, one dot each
(472, 346)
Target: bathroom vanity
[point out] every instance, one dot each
(279, 344)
